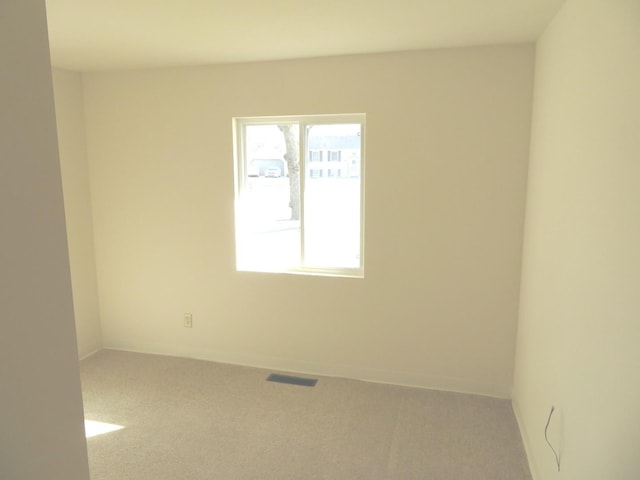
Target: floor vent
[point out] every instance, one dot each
(305, 382)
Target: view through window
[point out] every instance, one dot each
(299, 194)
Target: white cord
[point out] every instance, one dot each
(545, 437)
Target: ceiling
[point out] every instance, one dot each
(91, 35)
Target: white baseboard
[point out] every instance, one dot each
(526, 440)
(325, 369)
(87, 355)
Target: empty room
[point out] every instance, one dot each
(328, 240)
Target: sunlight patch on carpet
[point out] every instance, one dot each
(93, 428)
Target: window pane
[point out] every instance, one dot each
(332, 196)
(268, 229)
(281, 229)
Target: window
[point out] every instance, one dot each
(334, 155)
(309, 218)
(315, 155)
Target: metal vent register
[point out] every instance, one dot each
(305, 382)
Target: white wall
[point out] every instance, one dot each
(579, 329)
(67, 87)
(41, 419)
(447, 148)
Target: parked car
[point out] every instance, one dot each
(272, 172)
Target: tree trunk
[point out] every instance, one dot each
(293, 165)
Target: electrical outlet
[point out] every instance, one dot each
(188, 320)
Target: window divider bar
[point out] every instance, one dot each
(302, 166)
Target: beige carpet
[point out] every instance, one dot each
(189, 419)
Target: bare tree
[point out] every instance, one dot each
(293, 166)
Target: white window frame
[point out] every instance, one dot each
(240, 172)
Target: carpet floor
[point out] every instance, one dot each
(188, 419)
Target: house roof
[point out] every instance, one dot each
(330, 142)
